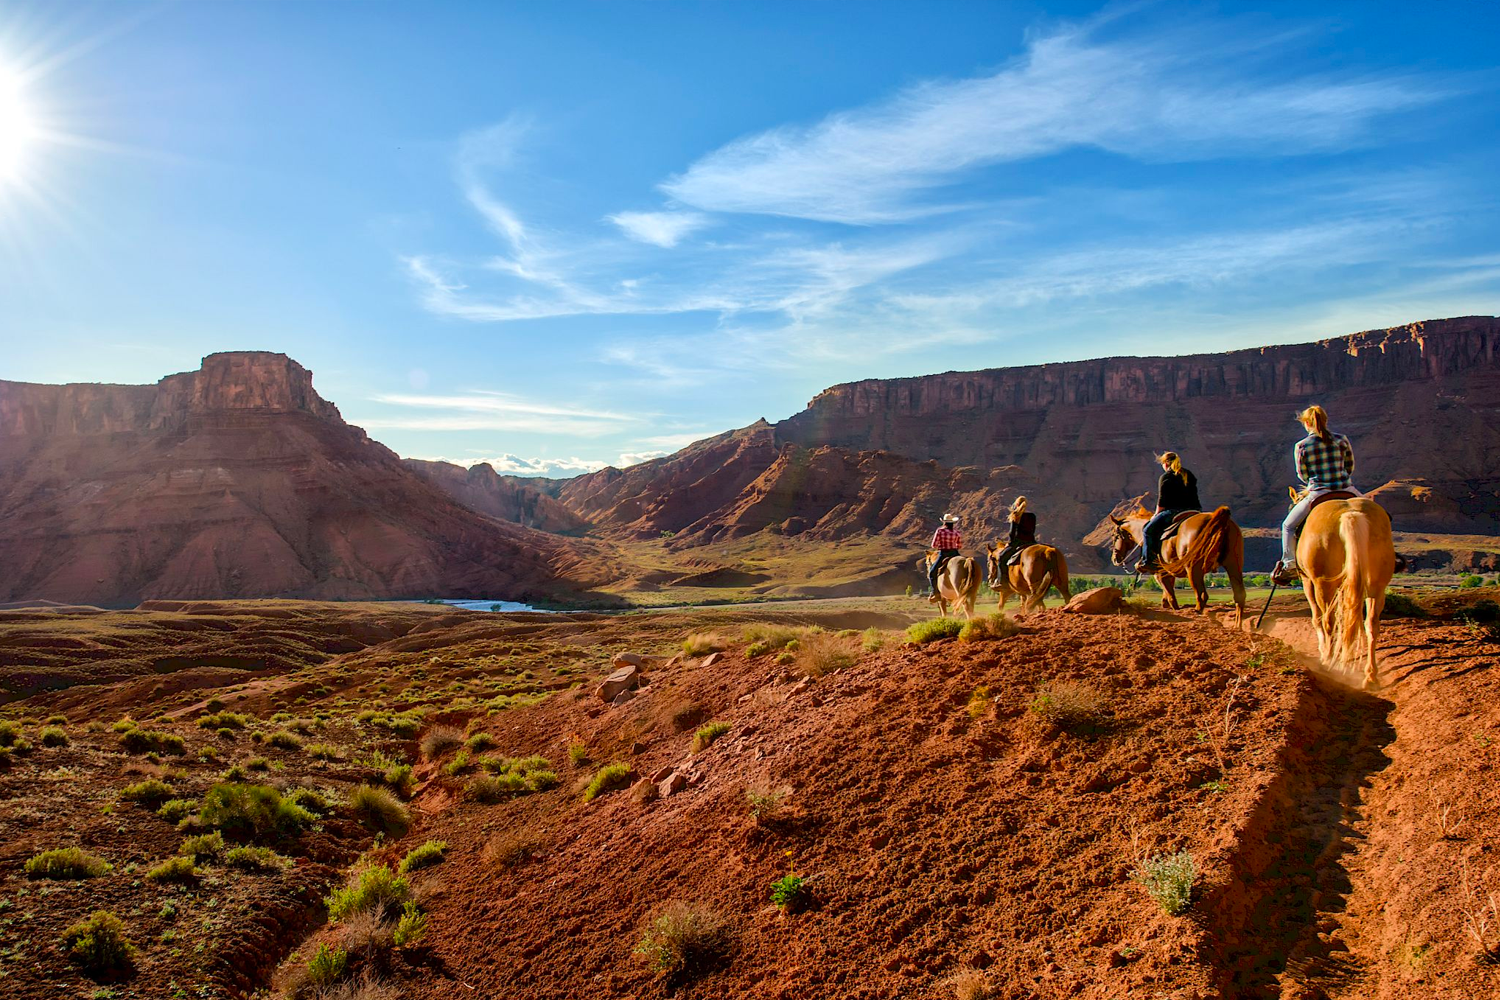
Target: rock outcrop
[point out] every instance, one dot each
(236, 480)
(480, 488)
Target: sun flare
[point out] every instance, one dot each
(17, 129)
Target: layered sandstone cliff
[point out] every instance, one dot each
(236, 480)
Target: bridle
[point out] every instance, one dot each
(1115, 557)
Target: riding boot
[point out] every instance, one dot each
(1285, 574)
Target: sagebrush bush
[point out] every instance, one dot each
(995, 626)
(252, 811)
(683, 938)
(826, 654)
(933, 629)
(224, 720)
(205, 845)
(326, 967)
(9, 732)
(578, 753)
(255, 859)
(151, 741)
(607, 779)
(768, 638)
(376, 889)
(401, 779)
(439, 740)
(284, 740)
(707, 734)
(423, 856)
(872, 640)
(511, 849)
(99, 944)
(702, 643)
(1168, 880)
(177, 810)
(177, 869)
(380, 810)
(765, 802)
(125, 725)
(151, 792)
(53, 736)
(1398, 605)
(1069, 705)
(312, 800)
(71, 863)
(479, 742)
(323, 751)
(411, 928)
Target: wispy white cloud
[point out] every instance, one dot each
(663, 229)
(1173, 97)
(492, 411)
(515, 465)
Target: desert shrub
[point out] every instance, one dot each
(424, 856)
(607, 779)
(1168, 880)
(995, 626)
(99, 944)
(971, 984)
(326, 967)
(511, 849)
(979, 701)
(706, 735)
(768, 638)
(67, 863)
(376, 889)
(151, 741)
(1472, 580)
(151, 792)
(480, 742)
(9, 732)
(872, 640)
(53, 736)
(1069, 705)
(284, 740)
(826, 654)
(411, 928)
(178, 869)
(765, 803)
(790, 892)
(379, 810)
(252, 811)
(310, 799)
(492, 788)
(177, 810)
(683, 939)
(224, 720)
(125, 725)
(205, 845)
(702, 643)
(255, 859)
(578, 753)
(933, 629)
(399, 777)
(439, 740)
(323, 751)
(1398, 605)
(1483, 612)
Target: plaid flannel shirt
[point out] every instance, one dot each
(947, 538)
(1325, 465)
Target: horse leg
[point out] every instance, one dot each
(1373, 607)
(1200, 589)
(1168, 592)
(1326, 619)
(1237, 584)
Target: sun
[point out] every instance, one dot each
(17, 128)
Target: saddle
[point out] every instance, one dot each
(1176, 524)
(1321, 499)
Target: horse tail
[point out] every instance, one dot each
(1354, 531)
(970, 571)
(1208, 545)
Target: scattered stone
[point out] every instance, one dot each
(661, 775)
(645, 790)
(1099, 601)
(673, 784)
(802, 685)
(626, 678)
(622, 698)
(637, 747)
(710, 660)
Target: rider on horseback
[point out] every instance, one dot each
(1325, 462)
(1176, 493)
(947, 541)
(1022, 532)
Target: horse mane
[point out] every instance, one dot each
(1140, 512)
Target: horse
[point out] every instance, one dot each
(958, 582)
(1039, 568)
(1202, 543)
(1347, 558)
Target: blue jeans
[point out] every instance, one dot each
(1152, 531)
(1292, 526)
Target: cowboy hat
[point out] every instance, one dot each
(950, 518)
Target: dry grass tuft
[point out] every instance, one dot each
(971, 984)
(703, 643)
(511, 849)
(826, 653)
(684, 938)
(1069, 705)
(439, 740)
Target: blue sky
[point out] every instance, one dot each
(557, 236)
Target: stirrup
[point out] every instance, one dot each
(1284, 575)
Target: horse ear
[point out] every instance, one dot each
(989, 546)
(1116, 520)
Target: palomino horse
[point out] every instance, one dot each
(958, 582)
(1203, 543)
(1039, 568)
(1347, 558)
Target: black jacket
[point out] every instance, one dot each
(1023, 532)
(1173, 494)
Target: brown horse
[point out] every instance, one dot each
(1203, 543)
(1039, 568)
(958, 582)
(1347, 558)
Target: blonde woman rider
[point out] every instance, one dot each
(1176, 492)
(1022, 532)
(1325, 463)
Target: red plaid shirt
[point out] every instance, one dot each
(947, 538)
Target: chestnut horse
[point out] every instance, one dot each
(1347, 558)
(1203, 543)
(958, 583)
(1039, 568)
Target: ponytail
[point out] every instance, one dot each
(1315, 418)
(1173, 464)
(1018, 508)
